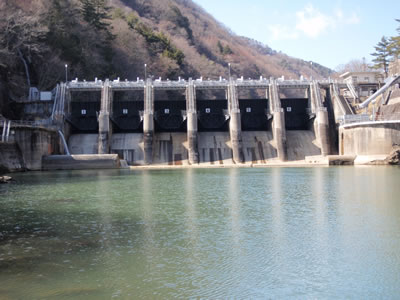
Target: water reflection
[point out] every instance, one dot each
(320, 238)
(318, 182)
(149, 240)
(226, 233)
(234, 205)
(277, 198)
(190, 205)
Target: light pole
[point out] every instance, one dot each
(229, 65)
(66, 73)
(311, 69)
(145, 72)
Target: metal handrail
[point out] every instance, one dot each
(387, 117)
(200, 84)
(349, 119)
(388, 84)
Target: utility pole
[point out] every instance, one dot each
(66, 73)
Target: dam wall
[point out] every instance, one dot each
(196, 122)
(259, 147)
(215, 148)
(129, 146)
(302, 143)
(83, 143)
(170, 149)
(188, 129)
(173, 148)
(167, 148)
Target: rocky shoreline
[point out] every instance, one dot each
(5, 179)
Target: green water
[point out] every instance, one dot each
(212, 233)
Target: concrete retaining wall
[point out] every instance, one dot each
(10, 158)
(35, 143)
(38, 109)
(373, 138)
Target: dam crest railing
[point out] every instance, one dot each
(366, 118)
(182, 84)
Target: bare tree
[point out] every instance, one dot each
(21, 39)
(354, 65)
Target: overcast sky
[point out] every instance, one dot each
(328, 32)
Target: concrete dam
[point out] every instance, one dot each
(189, 122)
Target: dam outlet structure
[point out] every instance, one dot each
(198, 122)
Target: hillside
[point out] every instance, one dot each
(113, 39)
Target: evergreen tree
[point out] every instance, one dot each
(382, 55)
(224, 50)
(220, 47)
(180, 20)
(394, 47)
(61, 19)
(96, 13)
(227, 50)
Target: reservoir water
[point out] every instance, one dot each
(202, 233)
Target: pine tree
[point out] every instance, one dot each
(382, 55)
(394, 47)
(220, 47)
(96, 13)
(61, 19)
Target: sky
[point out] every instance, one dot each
(330, 33)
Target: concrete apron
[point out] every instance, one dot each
(80, 162)
(214, 148)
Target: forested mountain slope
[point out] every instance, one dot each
(109, 39)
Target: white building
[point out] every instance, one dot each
(362, 77)
(364, 83)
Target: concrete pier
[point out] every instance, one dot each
(278, 122)
(321, 124)
(323, 131)
(279, 132)
(148, 122)
(235, 126)
(191, 112)
(104, 119)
